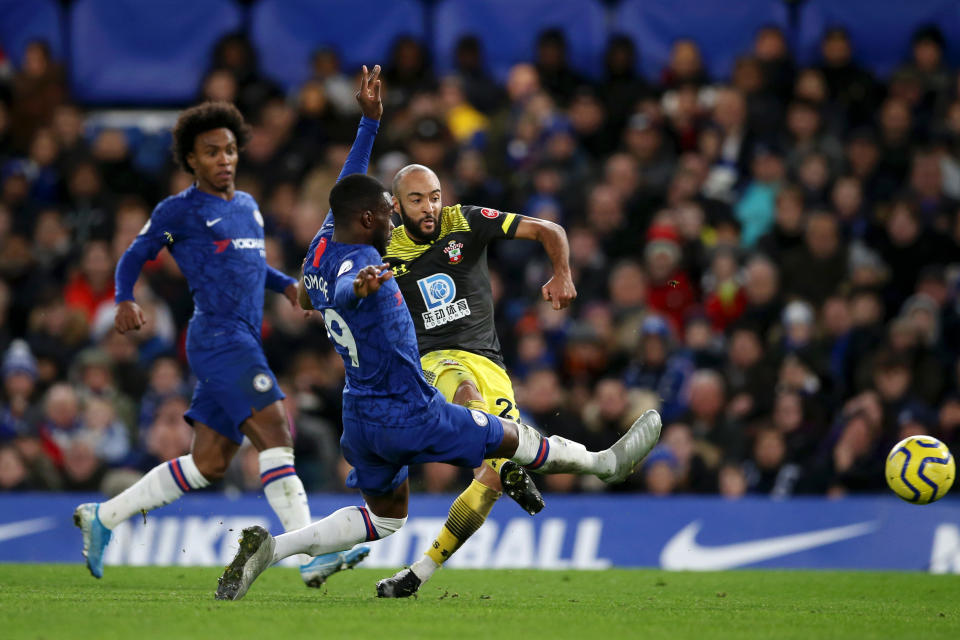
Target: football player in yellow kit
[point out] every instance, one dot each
(438, 256)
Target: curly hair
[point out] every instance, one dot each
(205, 117)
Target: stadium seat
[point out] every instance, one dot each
(722, 35)
(26, 21)
(510, 28)
(287, 32)
(126, 51)
(881, 39)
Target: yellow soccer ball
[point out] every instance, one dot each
(920, 469)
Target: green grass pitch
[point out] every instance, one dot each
(62, 601)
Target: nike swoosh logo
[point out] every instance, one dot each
(683, 552)
(210, 223)
(25, 528)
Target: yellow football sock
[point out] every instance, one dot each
(496, 463)
(466, 515)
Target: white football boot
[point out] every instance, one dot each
(253, 557)
(630, 450)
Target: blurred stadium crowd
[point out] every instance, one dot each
(773, 261)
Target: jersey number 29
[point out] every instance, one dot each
(341, 334)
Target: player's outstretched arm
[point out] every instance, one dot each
(559, 289)
(370, 98)
(369, 279)
(129, 316)
(280, 282)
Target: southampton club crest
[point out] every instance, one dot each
(453, 251)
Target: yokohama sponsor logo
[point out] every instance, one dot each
(240, 243)
(248, 243)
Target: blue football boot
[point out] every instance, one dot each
(95, 536)
(316, 572)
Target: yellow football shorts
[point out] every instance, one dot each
(447, 368)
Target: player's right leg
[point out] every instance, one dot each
(208, 461)
(383, 515)
(527, 447)
(462, 437)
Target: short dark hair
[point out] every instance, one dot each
(206, 117)
(354, 194)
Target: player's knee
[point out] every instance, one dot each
(386, 526)
(268, 429)
(277, 434)
(466, 393)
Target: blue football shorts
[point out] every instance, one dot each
(233, 381)
(445, 432)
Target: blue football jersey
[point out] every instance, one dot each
(219, 247)
(375, 335)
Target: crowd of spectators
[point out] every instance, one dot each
(772, 261)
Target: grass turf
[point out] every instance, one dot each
(63, 601)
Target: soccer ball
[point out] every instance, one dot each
(920, 469)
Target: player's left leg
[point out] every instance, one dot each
(268, 430)
(383, 515)
(207, 461)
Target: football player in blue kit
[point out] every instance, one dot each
(215, 234)
(391, 416)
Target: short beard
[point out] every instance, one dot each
(413, 229)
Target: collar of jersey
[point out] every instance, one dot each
(202, 193)
(402, 245)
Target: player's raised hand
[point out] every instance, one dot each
(370, 278)
(129, 317)
(369, 93)
(560, 291)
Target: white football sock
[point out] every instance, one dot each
(162, 485)
(424, 568)
(339, 531)
(559, 455)
(284, 490)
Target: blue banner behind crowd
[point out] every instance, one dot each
(579, 532)
(149, 52)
